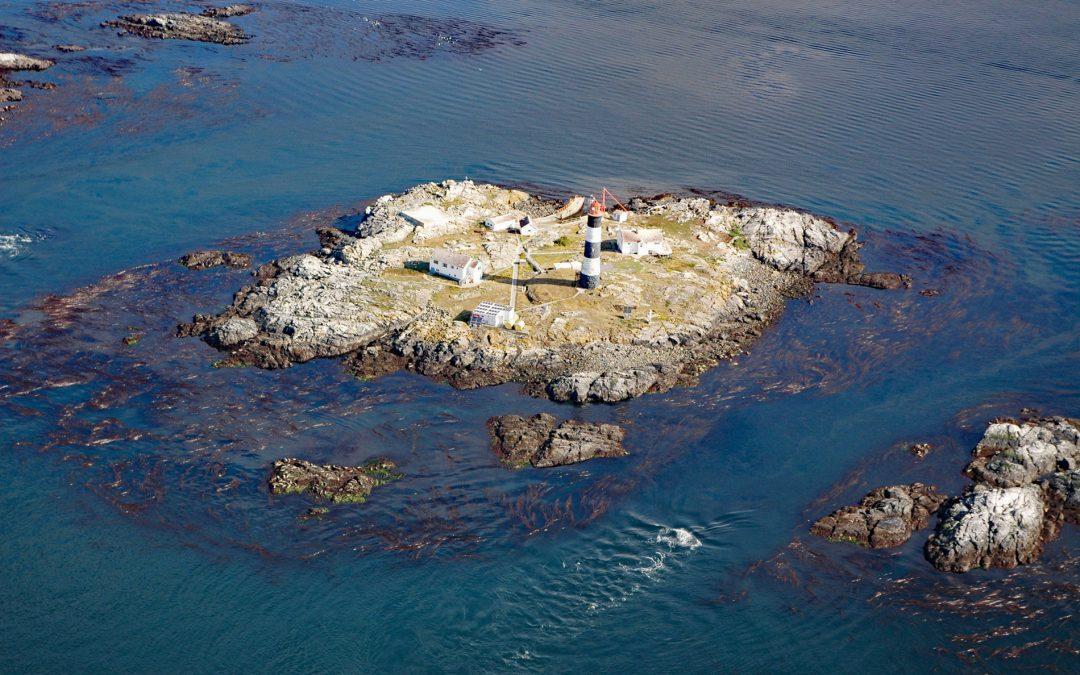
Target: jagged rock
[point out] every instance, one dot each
(538, 441)
(10, 95)
(232, 332)
(227, 11)
(1062, 491)
(791, 240)
(989, 527)
(11, 61)
(179, 26)
(68, 49)
(921, 450)
(884, 518)
(331, 482)
(1012, 454)
(203, 260)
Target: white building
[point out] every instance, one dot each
(501, 223)
(426, 216)
(620, 215)
(461, 268)
(489, 313)
(642, 242)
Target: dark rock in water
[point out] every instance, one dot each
(539, 441)
(1062, 491)
(989, 527)
(331, 482)
(67, 49)
(227, 11)
(9, 95)
(921, 450)
(884, 518)
(203, 260)
(179, 26)
(1013, 453)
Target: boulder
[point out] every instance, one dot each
(331, 482)
(202, 260)
(537, 440)
(989, 527)
(884, 518)
(1017, 453)
(10, 61)
(232, 332)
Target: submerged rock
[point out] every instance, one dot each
(539, 441)
(179, 26)
(11, 61)
(989, 527)
(884, 518)
(1017, 453)
(202, 260)
(331, 482)
(68, 49)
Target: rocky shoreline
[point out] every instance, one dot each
(1026, 486)
(365, 295)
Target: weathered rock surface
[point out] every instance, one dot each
(989, 527)
(543, 443)
(68, 49)
(330, 482)
(367, 295)
(228, 10)
(179, 26)
(11, 61)
(203, 260)
(1017, 453)
(884, 518)
(1062, 492)
(10, 95)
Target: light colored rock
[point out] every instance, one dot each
(232, 332)
(11, 61)
(1012, 454)
(9, 95)
(989, 527)
(789, 240)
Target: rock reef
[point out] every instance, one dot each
(331, 482)
(655, 322)
(227, 11)
(884, 518)
(179, 26)
(204, 260)
(542, 442)
(10, 61)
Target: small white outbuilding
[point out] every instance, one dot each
(501, 223)
(489, 313)
(642, 242)
(463, 269)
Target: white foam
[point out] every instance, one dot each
(678, 537)
(12, 245)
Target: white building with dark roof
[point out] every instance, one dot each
(460, 267)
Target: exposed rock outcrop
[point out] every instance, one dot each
(69, 49)
(179, 26)
(884, 518)
(10, 95)
(203, 260)
(227, 11)
(989, 527)
(541, 442)
(652, 325)
(331, 482)
(11, 61)
(1017, 453)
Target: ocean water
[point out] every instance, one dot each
(138, 535)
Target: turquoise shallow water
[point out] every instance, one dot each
(138, 536)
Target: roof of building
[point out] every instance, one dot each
(647, 236)
(488, 308)
(426, 215)
(448, 257)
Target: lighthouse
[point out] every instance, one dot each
(590, 266)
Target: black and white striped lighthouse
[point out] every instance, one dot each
(590, 266)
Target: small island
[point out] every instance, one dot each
(579, 300)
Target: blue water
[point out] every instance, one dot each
(138, 535)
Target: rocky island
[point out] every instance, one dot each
(1027, 484)
(542, 442)
(685, 282)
